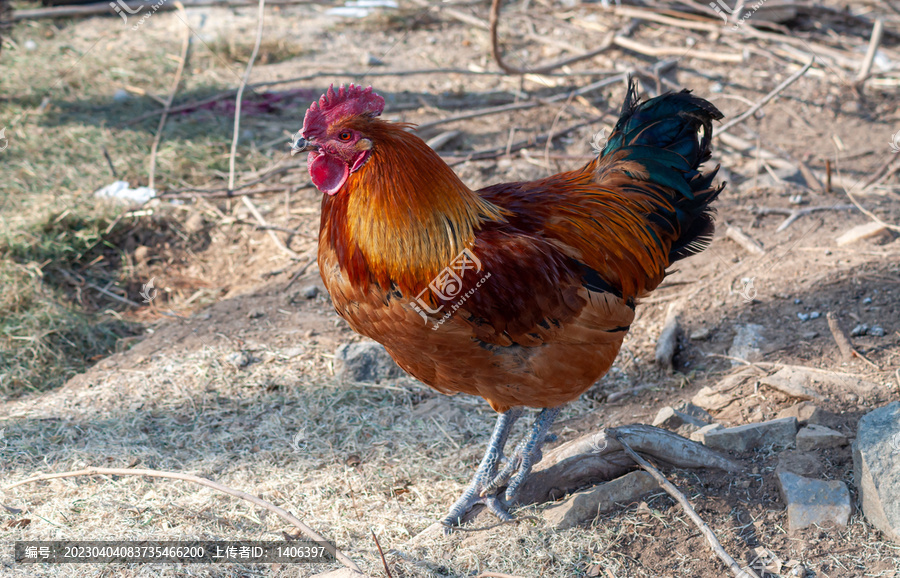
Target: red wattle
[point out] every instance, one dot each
(327, 172)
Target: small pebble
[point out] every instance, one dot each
(310, 292)
(369, 59)
(827, 252)
(121, 95)
(796, 199)
(815, 315)
(30, 45)
(255, 314)
(238, 359)
(859, 330)
(798, 301)
(867, 301)
(803, 316)
(717, 87)
(877, 331)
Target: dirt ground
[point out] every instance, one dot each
(233, 377)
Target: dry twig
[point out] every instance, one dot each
(280, 512)
(165, 112)
(387, 570)
(764, 100)
(689, 510)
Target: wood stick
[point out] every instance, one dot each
(690, 511)
(843, 342)
(280, 512)
(874, 43)
(667, 344)
(744, 240)
(240, 93)
(537, 69)
(523, 105)
(794, 214)
(764, 100)
(185, 46)
(85, 10)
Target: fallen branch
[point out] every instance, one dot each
(668, 337)
(523, 105)
(848, 352)
(598, 457)
(240, 93)
(746, 242)
(133, 6)
(670, 488)
(874, 43)
(280, 512)
(794, 214)
(538, 69)
(186, 43)
(764, 100)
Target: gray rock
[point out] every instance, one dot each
(700, 434)
(694, 411)
(586, 505)
(817, 437)
(861, 329)
(672, 419)
(777, 432)
(800, 463)
(310, 292)
(366, 361)
(876, 468)
(877, 331)
(807, 412)
(812, 501)
(747, 343)
(239, 359)
(701, 334)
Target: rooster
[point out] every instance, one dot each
(520, 293)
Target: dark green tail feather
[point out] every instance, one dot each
(670, 136)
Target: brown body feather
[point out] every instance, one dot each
(565, 259)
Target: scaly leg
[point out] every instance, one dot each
(475, 493)
(527, 453)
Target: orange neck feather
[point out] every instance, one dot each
(404, 215)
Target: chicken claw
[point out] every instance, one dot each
(526, 454)
(487, 480)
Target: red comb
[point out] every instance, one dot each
(350, 101)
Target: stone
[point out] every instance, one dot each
(811, 501)
(239, 359)
(366, 361)
(800, 463)
(860, 232)
(701, 334)
(793, 381)
(747, 343)
(700, 434)
(586, 505)
(807, 412)
(723, 393)
(876, 468)
(694, 411)
(310, 292)
(672, 419)
(776, 432)
(818, 437)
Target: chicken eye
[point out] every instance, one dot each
(345, 135)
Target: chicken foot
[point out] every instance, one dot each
(487, 480)
(526, 455)
(485, 473)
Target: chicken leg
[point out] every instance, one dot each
(487, 481)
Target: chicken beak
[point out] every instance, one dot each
(301, 145)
